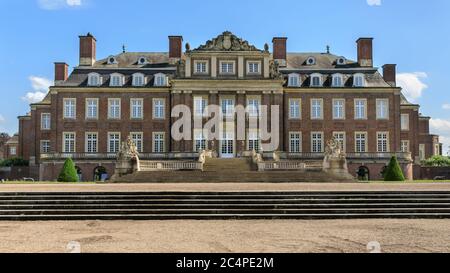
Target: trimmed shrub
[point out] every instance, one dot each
(14, 162)
(68, 172)
(394, 171)
(437, 161)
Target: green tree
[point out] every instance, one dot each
(394, 171)
(68, 172)
(437, 161)
(14, 162)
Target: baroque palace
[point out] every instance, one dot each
(310, 98)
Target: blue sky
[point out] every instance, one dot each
(415, 34)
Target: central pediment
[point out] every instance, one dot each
(227, 41)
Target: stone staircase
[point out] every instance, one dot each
(223, 205)
(229, 171)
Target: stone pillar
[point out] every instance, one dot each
(240, 144)
(214, 100)
(176, 100)
(278, 99)
(188, 101)
(408, 170)
(267, 101)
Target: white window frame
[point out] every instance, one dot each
(316, 75)
(338, 114)
(90, 113)
(295, 108)
(250, 70)
(313, 109)
(315, 144)
(94, 79)
(253, 106)
(132, 107)
(116, 145)
(114, 111)
(295, 148)
(204, 64)
(46, 121)
(404, 146)
(13, 150)
(200, 106)
(336, 77)
(357, 109)
(229, 109)
(227, 72)
(91, 142)
(45, 149)
(139, 80)
(356, 82)
(383, 142)
(294, 80)
(358, 144)
(159, 108)
(382, 113)
(342, 140)
(72, 112)
(158, 147)
(422, 152)
(404, 122)
(72, 146)
(200, 141)
(253, 140)
(113, 77)
(138, 140)
(160, 80)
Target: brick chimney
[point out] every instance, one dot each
(61, 72)
(87, 50)
(390, 74)
(365, 52)
(280, 50)
(175, 47)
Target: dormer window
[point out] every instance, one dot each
(94, 79)
(142, 61)
(359, 80)
(341, 61)
(253, 67)
(226, 67)
(338, 80)
(117, 80)
(112, 60)
(316, 80)
(160, 80)
(138, 79)
(294, 80)
(311, 61)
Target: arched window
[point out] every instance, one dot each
(94, 79)
(294, 80)
(316, 80)
(160, 80)
(359, 80)
(338, 80)
(138, 79)
(116, 79)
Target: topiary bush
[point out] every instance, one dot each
(394, 171)
(68, 172)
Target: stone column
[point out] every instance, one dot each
(278, 99)
(267, 101)
(188, 101)
(176, 100)
(214, 100)
(240, 144)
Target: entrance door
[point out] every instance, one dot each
(227, 146)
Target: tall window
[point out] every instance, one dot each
(294, 80)
(69, 142)
(69, 108)
(200, 140)
(337, 80)
(382, 109)
(227, 67)
(253, 107)
(136, 108)
(227, 107)
(200, 104)
(294, 108)
(405, 146)
(91, 108)
(138, 141)
(405, 122)
(316, 109)
(360, 109)
(159, 108)
(158, 142)
(253, 141)
(339, 109)
(91, 142)
(113, 143)
(253, 67)
(160, 80)
(116, 80)
(316, 80)
(317, 142)
(45, 146)
(358, 80)
(360, 142)
(422, 155)
(114, 108)
(45, 121)
(94, 79)
(340, 138)
(382, 142)
(201, 67)
(13, 151)
(295, 140)
(138, 79)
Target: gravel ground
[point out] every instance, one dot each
(227, 236)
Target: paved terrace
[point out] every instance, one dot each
(189, 187)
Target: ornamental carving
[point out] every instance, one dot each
(227, 41)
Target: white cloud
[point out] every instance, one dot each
(2, 119)
(59, 4)
(40, 87)
(446, 106)
(441, 127)
(412, 84)
(374, 2)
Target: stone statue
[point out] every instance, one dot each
(127, 159)
(227, 41)
(188, 47)
(181, 69)
(275, 71)
(266, 47)
(335, 161)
